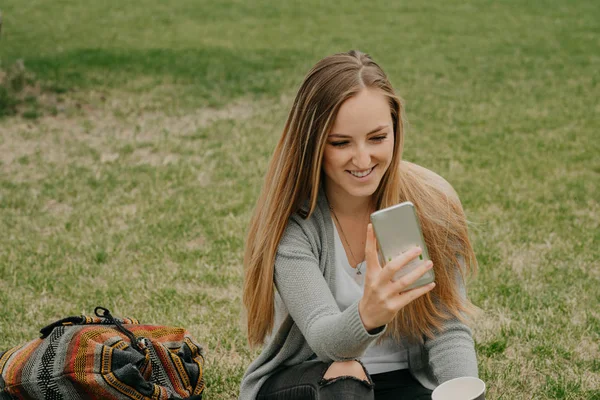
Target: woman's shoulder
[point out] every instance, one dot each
(305, 227)
(431, 179)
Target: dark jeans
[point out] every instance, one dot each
(305, 381)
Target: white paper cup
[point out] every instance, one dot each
(464, 388)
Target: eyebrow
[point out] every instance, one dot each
(340, 135)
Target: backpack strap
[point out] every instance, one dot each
(106, 314)
(103, 316)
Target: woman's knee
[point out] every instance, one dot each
(346, 380)
(349, 368)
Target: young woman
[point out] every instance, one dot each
(332, 322)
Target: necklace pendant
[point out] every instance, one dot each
(358, 269)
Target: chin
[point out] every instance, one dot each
(366, 191)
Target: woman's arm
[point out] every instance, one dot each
(331, 334)
(452, 352)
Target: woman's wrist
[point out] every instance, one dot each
(370, 326)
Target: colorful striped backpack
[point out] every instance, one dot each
(103, 357)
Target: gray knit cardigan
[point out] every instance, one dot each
(308, 321)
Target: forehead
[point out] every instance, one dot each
(363, 112)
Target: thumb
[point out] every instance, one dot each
(371, 252)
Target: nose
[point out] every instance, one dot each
(361, 158)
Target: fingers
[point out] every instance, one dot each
(407, 297)
(406, 280)
(399, 262)
(371, 250)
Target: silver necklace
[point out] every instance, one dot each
(357, 266)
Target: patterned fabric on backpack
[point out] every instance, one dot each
(103, 357)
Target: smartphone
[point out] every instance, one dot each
(397, 229)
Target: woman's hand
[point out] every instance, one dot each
(383, 297)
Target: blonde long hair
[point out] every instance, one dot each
(294, 175)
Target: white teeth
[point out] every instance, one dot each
(361, 174)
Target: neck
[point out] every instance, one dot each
(346, 205)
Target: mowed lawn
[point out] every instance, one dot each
(134, 187)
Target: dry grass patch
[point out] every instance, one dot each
(58, 208)
(196, 243)
(104, 130)
(487, 324)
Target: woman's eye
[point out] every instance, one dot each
(339, 144)
(379, 138)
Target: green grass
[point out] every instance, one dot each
(135, 193)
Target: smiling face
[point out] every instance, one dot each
(360, 145)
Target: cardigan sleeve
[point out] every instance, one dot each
(452, 351)
(332, 335)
